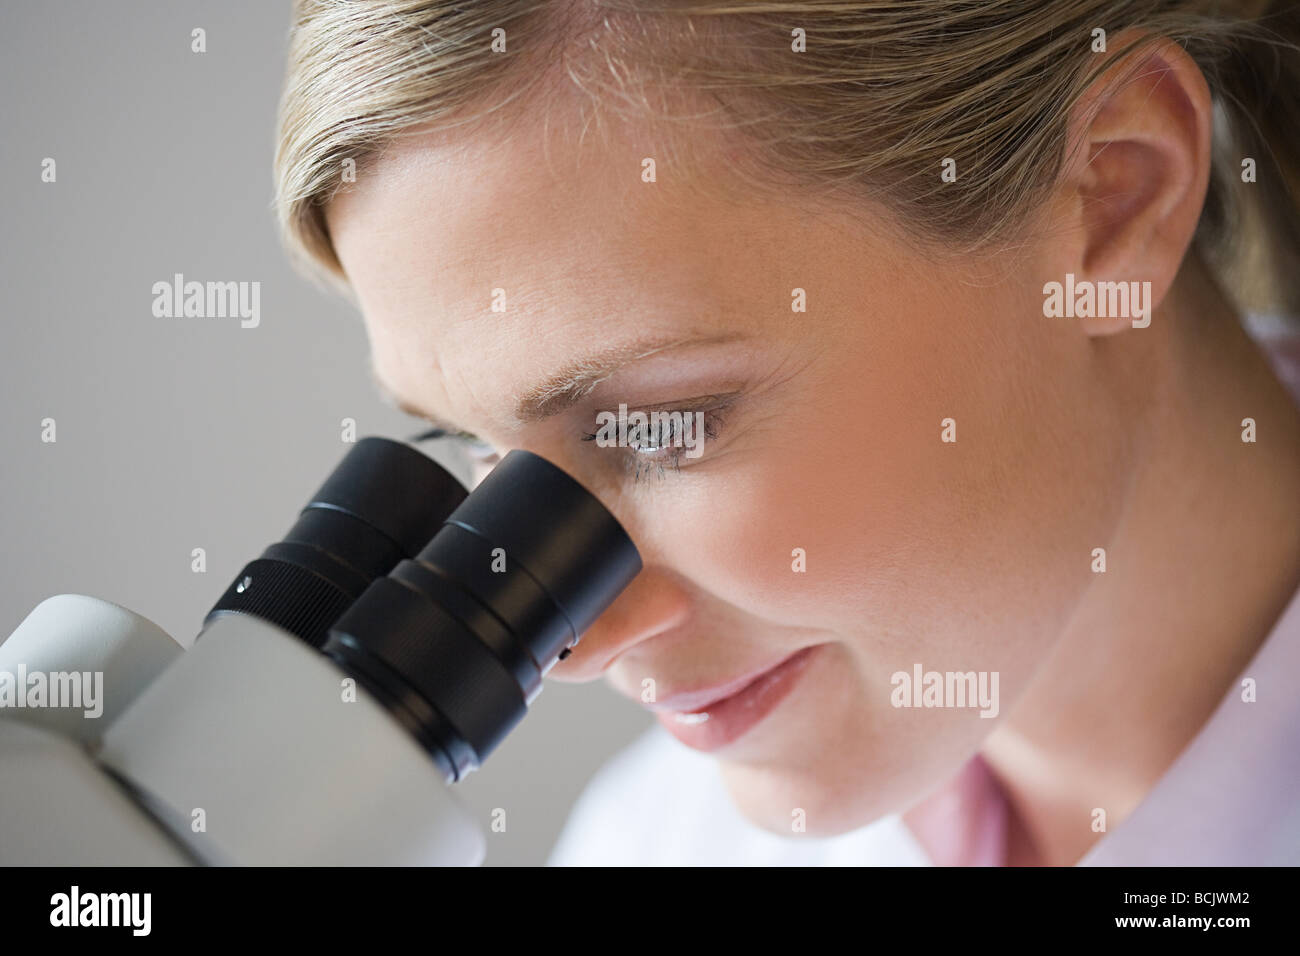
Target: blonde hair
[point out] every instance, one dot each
(883, 93)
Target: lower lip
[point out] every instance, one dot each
(734, 716)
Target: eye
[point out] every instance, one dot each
(478, 451)
(652, 443)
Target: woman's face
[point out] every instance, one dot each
(824, 434)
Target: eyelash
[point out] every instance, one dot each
(479, 451)
(639, 464)
(642, 465)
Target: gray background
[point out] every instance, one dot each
(175, 434)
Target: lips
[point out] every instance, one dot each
(689, 701)
(713, 717)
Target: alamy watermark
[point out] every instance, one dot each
(651, 431)
(75, 689)
(208, 300)
(129, 910)
(1085, 299)
(922, 688)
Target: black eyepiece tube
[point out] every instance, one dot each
(456, 640)
(381, 504)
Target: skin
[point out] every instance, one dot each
(1072, 434)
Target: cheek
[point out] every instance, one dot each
(841, 517)
(913, 549)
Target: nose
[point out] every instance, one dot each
(654, 603)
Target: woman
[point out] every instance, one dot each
(995, 512)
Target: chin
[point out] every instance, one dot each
(770, 797)
(806, 763)
(827, 752)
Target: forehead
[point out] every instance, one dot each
(568, 232)
(539, 212)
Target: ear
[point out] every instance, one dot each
(1137, 168)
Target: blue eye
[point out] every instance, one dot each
(661, 445)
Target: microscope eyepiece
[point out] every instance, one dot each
(455, 640)
(381, 504)
(449, 607)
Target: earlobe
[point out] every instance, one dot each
(1140, 168)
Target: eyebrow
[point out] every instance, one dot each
(570, 384)
(575, 381)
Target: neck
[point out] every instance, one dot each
(1205, 558)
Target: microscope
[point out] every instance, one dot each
(348, 676)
